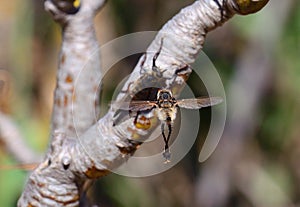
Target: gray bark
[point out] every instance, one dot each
(81, 149)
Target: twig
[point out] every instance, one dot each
(14, 143)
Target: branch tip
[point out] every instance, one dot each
(245, 7)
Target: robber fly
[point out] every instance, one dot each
(166, 107)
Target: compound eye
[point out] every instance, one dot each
(165, 96)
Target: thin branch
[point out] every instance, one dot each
(249, 84)
(105, 146)
(247, 174)
(76, 102)
(13, 141)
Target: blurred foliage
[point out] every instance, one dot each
(31, 41)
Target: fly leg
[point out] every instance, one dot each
(167, 153)
(164, 136)
(170, 131)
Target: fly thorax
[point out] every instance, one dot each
(165, 104)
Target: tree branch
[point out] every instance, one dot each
(249, 84)
(76, 102)
(104, 146)
(14, 143)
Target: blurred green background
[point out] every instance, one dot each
(257, 160)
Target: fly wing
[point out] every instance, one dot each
(197, 103)
(135, 105)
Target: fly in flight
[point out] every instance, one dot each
(166, 107)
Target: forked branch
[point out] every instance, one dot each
(72, 159)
